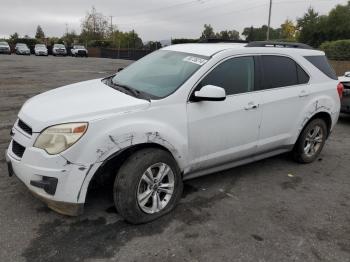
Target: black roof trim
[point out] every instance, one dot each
(218, 40)
(278, 44)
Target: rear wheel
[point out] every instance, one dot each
(147, 186)
(310, 141)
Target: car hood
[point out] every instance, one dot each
(84, 101)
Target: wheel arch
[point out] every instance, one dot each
(107, 171)
(324, 115)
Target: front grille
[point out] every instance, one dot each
(81, 52)
(25, 127)
(17, 149)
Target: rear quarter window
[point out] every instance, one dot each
(281, 71)
(322, 64)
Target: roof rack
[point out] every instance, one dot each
(278, 44)
(218, 40)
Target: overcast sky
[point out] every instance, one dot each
(152, 19)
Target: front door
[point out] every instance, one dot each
(223, 131)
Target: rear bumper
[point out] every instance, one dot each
(345, 102)
(41, 53)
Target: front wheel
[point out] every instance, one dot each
(147, 186)
(310, 141)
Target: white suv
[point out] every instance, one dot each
(178, 113)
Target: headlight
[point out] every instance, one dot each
(56, 139)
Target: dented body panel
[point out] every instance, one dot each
(202, 137)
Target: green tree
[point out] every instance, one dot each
(228, 35)
(39, 33)
(339, 22)
(71, 38)
(94, 26)
(259, 34)
(288, 30)
(308, 27)
(208, 32)
(14, 36)
(129, 39)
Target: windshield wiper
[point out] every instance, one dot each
(131, 91)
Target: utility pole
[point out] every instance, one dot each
(111, 23)
(268, 26)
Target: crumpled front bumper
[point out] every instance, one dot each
(52, 179)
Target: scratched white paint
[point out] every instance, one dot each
(203, 137)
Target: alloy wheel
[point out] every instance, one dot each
(156, 188)
(313, 141)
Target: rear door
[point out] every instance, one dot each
(284, 93)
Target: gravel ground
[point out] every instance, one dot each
(271, 210)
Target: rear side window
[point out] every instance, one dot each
(322, 64)
(280, 71)
(235, 75)
(303, 77)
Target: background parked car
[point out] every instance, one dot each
(22, 49)
(5, 48)
(59, 49)
(40, 49)
(79, 50)
(345, 103)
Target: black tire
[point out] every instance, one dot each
(126, 185)
(299, 153)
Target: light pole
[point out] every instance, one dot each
(268, 26)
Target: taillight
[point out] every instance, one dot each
(340, 89)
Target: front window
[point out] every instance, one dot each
(160, 73)
(59, 46)
(79, 47)
(235, 75)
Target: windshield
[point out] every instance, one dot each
(59, 46)
(40, 46)
(160, 73)
(3, 43)
(79, 47)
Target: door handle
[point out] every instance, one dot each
(303, 93)
(251, 106)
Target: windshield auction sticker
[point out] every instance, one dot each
(195, 60)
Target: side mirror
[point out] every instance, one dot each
(120, 69)
(210, 93)
(347, 74)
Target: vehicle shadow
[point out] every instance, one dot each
(101, 232)
(344, 118)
